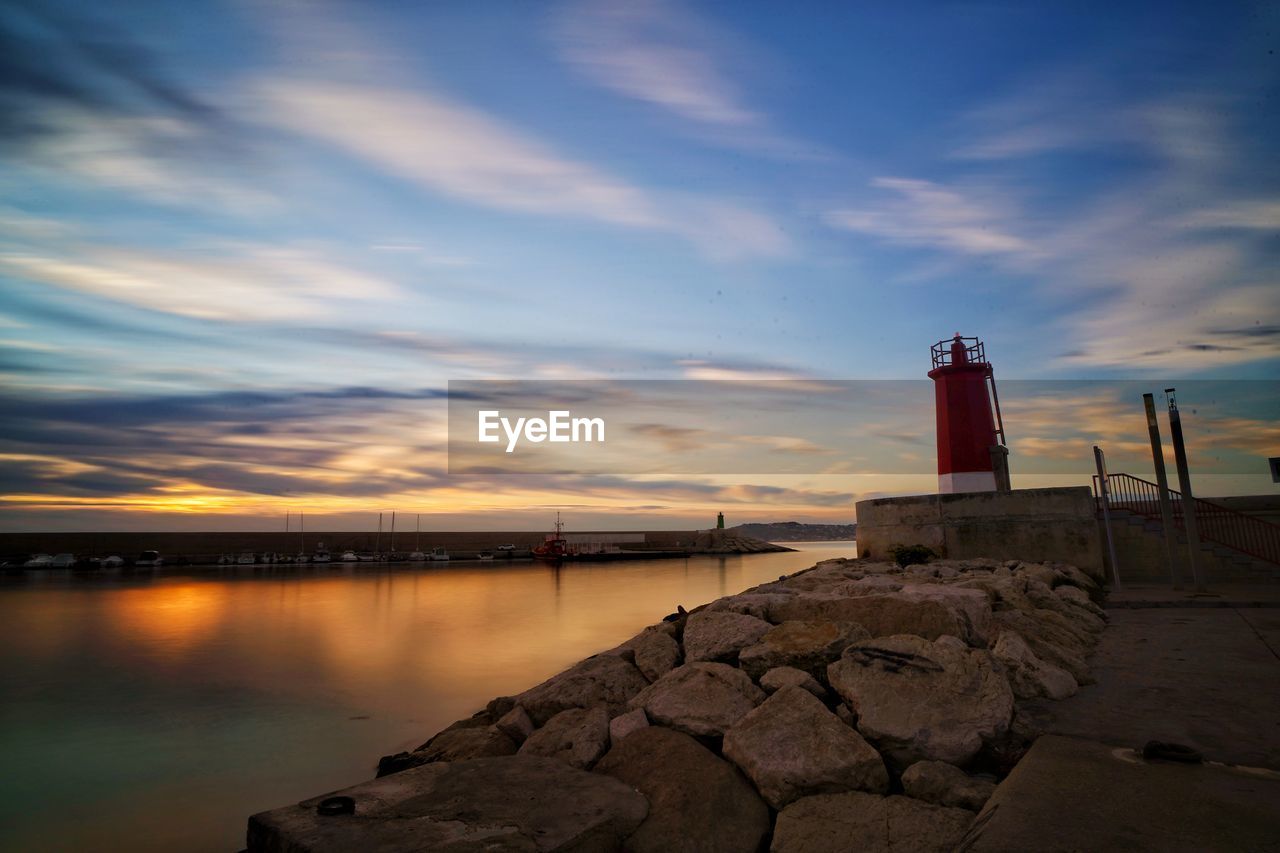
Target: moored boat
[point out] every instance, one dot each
(554, 547)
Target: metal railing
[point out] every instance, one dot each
(1217, 523)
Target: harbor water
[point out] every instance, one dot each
(156, 712)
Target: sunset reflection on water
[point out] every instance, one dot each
(157, 713)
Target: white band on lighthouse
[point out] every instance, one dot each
(966, 481)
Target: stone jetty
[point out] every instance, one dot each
(856, 704)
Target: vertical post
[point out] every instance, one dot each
(377, 548)
(1103, 495)
(302, 532)
(393, 531)
(1184, 485)
(1162, 488)
(1000, 467)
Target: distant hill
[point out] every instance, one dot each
(794, 531)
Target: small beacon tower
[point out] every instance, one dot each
(972, 456)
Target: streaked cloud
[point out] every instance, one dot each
(654, 52)
(253, 283)
(464, 153)
(923, 213)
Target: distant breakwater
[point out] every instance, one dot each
(853, 702)
(207, 547)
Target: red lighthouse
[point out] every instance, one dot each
(971, 451)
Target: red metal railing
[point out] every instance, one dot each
(1216, 523)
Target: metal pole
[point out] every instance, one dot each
(1162, 485)
(377, 548)
(1184, 485)
(1103, 490)
(393, 531)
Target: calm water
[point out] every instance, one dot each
(157, 713)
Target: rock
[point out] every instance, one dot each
(656, 653)
(714, 635)
(1029, 676)
(514, 803)
(868, 586)
(624, 724)
(1052, 645)
(804, 644)
(700, 698)
(1039, 572)
(946, 785)
(1074, 576)
(915, 609)
(824, 575)
(1080, 598)
(786, 676)
(697, 802)
(974, 605)
(838, 823)
(919, 701)
(600, 680)
(515, 724)
(752, 604)
(578, 737)
(792, 746)
(452, 744)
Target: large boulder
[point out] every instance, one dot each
(1029, 676)
(515, 724)
(717, 635)
(625, 724)
(578, 737)
(756, 604)
(1077, 596)
(915, 609)
(917, 700)
(656, 653)
(1051, 644)
(838, 823)
(515, 803)
(606, 680)
(452, 744)
(701, 698)
(804, 644)
(787, 676)
(945, 785)
(792, 746)
(697, 802)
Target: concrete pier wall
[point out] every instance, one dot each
(1028, 524)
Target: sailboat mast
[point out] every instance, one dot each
(393, 531)
(417, 534)
(377, 547)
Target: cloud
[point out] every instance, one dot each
(461, 152)
(653, 52)
(669, 58)
(253, 283)
(81, 99)
(923, 213)
(1169, 263)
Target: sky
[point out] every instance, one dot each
(245, 246)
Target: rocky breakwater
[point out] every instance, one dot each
(853, 705)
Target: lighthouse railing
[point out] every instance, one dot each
(1218, 524)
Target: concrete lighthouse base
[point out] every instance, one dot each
(1026, 524)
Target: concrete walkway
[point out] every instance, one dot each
(1206, 677)
(1201, 671)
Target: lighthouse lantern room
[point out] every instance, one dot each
(971, 443)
